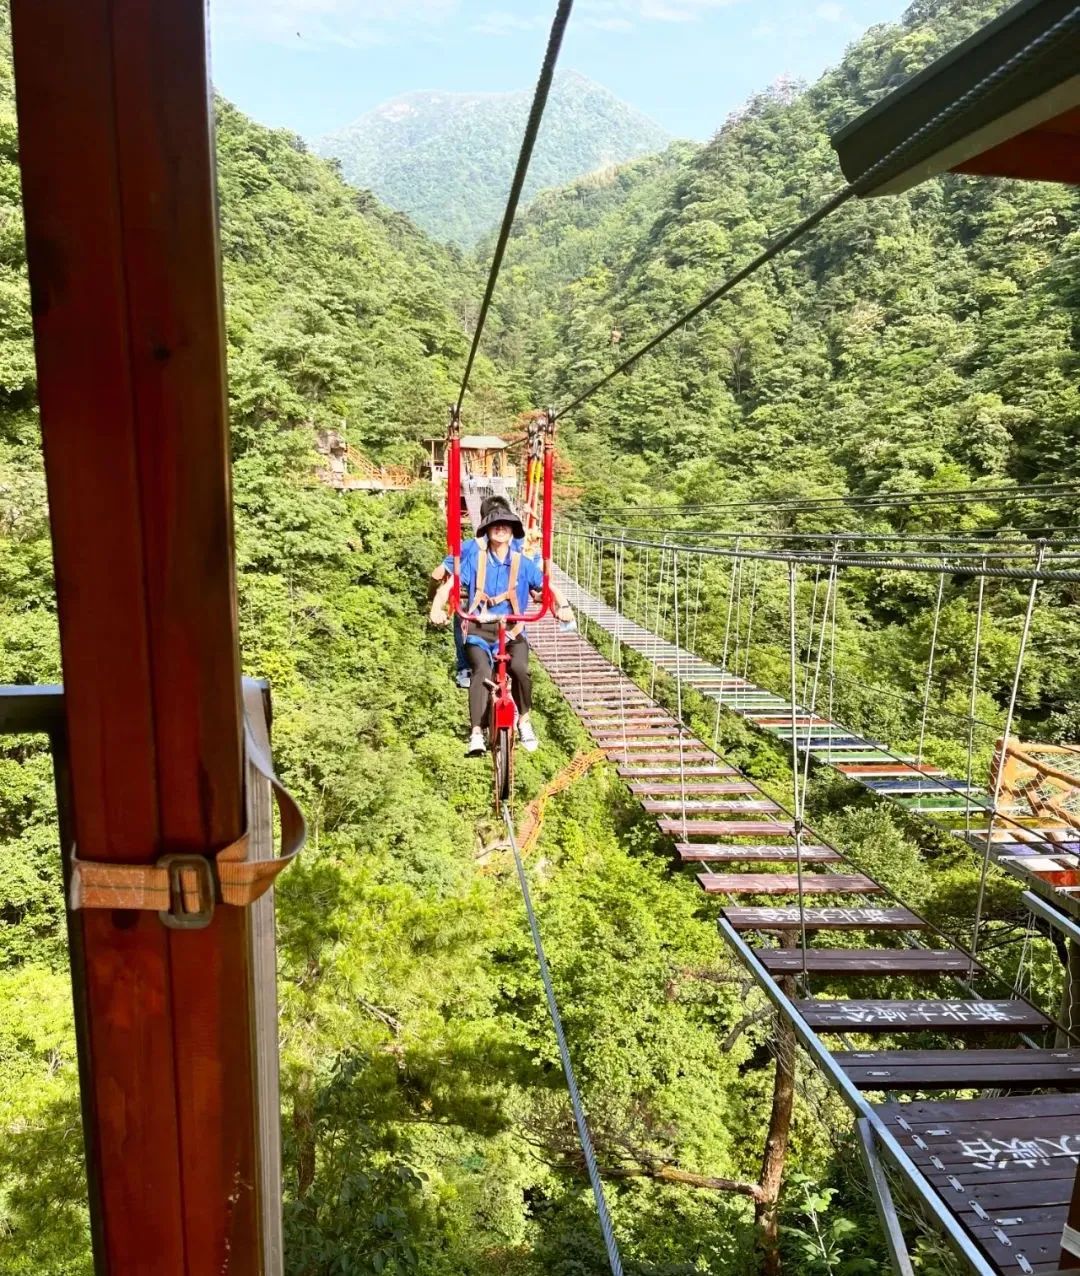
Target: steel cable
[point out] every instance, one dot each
(532, 128)
(584, 1137)
(860, 186)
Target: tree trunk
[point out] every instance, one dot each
(303, 1124)
(766, 1213)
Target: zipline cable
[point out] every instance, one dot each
(585, 1139)
(1064, 27)
(532, 128)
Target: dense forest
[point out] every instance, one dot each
(928, 341)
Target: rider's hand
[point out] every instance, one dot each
(565, 613)
(439, 616)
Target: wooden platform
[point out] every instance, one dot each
(1027, 1148)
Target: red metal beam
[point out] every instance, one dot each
(116, 152)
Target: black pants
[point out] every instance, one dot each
(480, 664)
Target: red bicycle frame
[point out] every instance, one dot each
(503, 705)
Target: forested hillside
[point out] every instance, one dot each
(446, 158)
(927, 339)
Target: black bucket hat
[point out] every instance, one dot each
(499, 511)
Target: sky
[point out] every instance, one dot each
(315, 65)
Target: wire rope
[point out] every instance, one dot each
(796, 794)
(923, 564)
(999, 777)
(678, 698)
(584, 1137)
(990, 495)
(930, 670)
(860, 186)
(528, 141)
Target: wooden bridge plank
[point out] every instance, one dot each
(717, 806)
(732, 853)
(691, 789)
(787, 884)
(788, 918)
(617, 754)
(960, 1069)
(631, 772)
(731, 828)
(866, 961)
(915, 1016)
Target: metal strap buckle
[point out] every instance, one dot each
(177, 916)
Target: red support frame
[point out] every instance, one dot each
(116, 147)
(453, 520)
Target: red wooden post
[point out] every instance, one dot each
(117, 162)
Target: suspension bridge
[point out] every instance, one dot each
(162, 761)
(846, 962)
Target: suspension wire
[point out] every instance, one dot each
(811, 708)
(735, 567)
(584, 1137)
(678, 697)
(832, 652)
(795, 788)
(686, 601)
(862, 185)
(637, 596)
(1024, 970)
(990, 537)
(930, 670)
(947, 564)
(987, 495)
(697, 602)
(737, 650)
(972, 699)
(750, 620)
(810, 641)
(616, 628)
(999, 777)
(532, 128)
(656, 627)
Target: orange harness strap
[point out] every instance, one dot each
(187, 886)
(482, 600)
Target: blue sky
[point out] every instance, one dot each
(314, 65)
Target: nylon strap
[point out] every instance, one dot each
(239, 880)
(480, 597)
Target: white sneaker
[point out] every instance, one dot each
(476, 744)
(463, 678)
(527, 736)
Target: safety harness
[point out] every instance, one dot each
(482, 600)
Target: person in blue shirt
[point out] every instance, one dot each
(497, 581)
(462, 674)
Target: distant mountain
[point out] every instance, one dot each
(446, 159)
